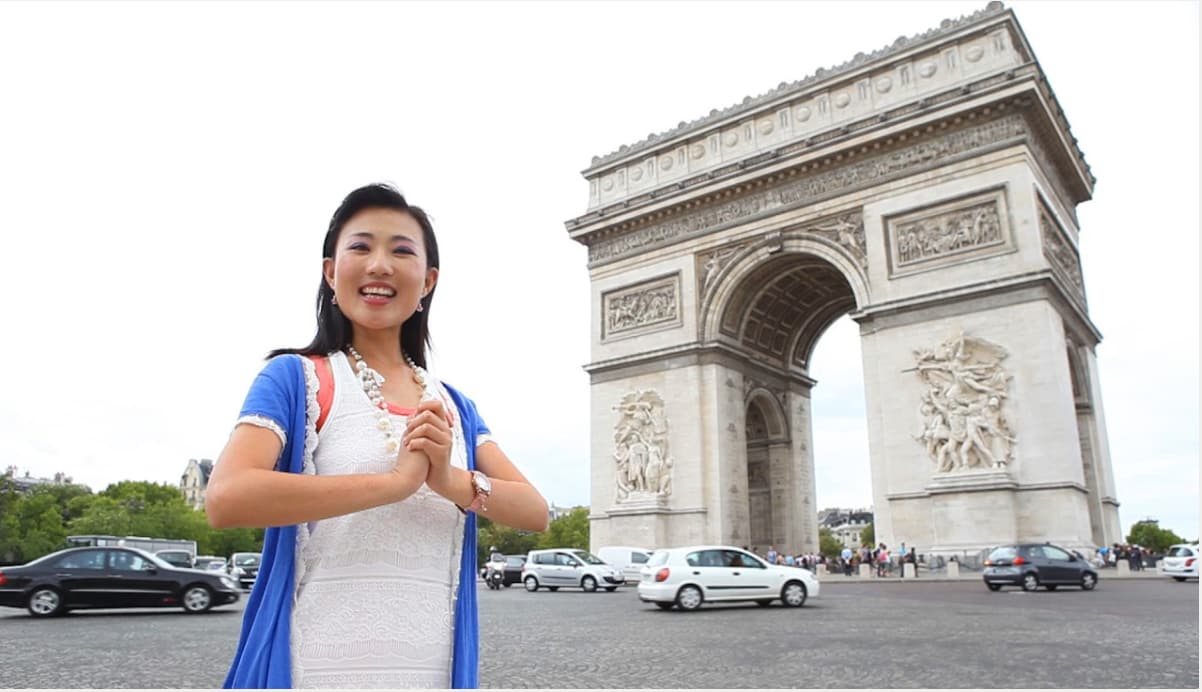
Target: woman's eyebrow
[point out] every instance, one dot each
(366, 234)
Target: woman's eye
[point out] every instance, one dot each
(357, 246)
(404, 250)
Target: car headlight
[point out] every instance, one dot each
(229, 583)
(237, 572)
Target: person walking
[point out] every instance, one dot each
(845, 557)
(369, 557)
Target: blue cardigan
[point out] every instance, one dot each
(263, 658)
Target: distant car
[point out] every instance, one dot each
(110, 577)
(513, 569)
(689, 576)
(629, 560)
(568, 567)
(178, 558)
(1181, 562)
(209, 563)
(1032, 565)
(244, 568)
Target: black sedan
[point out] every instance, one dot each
(1031, 565)
(110, 577)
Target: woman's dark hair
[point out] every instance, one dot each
(333, 328)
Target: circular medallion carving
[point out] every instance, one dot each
(697, 151)
(842, 99)
(766, 127)
(665, 162)
(730, 139)
(636, 174)
(802, 113)
(607, 184)
(974, 53)
(927, 69)
(884, 84)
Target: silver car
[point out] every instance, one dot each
(569, 567)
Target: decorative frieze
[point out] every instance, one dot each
(643, 307)
(802, 190)
(711, 262)
(643, 464)
(963, 425)
(847, 231)
(1060, 252)
(948, 233)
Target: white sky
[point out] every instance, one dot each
(167, 171)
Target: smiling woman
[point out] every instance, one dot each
(402, 464)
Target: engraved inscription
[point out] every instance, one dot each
(646, 305)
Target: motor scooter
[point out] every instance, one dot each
(494, 574)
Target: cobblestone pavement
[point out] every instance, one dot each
(873, 633)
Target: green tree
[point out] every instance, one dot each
(508, 540)
(828, 545)
(868, 535)
(32, 526)
(1148, 534)
(569, 531)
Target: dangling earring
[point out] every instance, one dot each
(333, 299)
(419, 307)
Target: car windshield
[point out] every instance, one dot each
(588, 557)
(246, 560)
(515, 561)
(153, 558)
(1003, 553)
(659, 557)
(1180, 551)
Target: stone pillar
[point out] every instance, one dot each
(909, 570)
(1122, 568)
(865, 570)
(953, 569)
(805, 514)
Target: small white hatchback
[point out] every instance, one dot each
(1181, 562)
(687, 577)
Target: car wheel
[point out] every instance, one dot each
(1179, 578)
(45, 602)
(664, 606)
(531, 583)
(508, 584)
(1088, 581)
(1030, 581)
(994, 587)
(688, 598)
(794, 594)
(588, 583)
(611, 589)
(197, 599)
(764, 602)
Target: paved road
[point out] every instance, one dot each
(1127, 633)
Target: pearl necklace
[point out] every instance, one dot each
(371, 381)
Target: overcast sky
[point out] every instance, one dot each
(167, 171)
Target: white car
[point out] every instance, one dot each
(687, 577)
(569, 567)
(1181, 562)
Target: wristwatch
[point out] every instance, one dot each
(483, 488)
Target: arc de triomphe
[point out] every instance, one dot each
(929, 190)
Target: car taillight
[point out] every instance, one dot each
(662, 574)
(1188, 563)
(1020, 560)
(988, 563)
(3, 579)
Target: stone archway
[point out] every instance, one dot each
(928, 190)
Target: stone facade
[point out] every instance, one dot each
(194, 481)
(928, 190)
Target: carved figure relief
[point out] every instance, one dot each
(963, 425)
(848, 231)
(1059, 252)
(950, 232)
(647, 304)
(711, 262)
(644, 466)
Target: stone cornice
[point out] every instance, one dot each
(684, 355)
(820, 78)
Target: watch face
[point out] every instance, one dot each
(483, 485)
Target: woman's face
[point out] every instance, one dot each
(379, 271)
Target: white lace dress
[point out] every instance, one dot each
(376, 590)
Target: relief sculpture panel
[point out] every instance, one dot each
(948, 233)
(1059, 252)
(963, 423)
(644, 466)
(648, 306)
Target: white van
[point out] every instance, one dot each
(628, 560)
